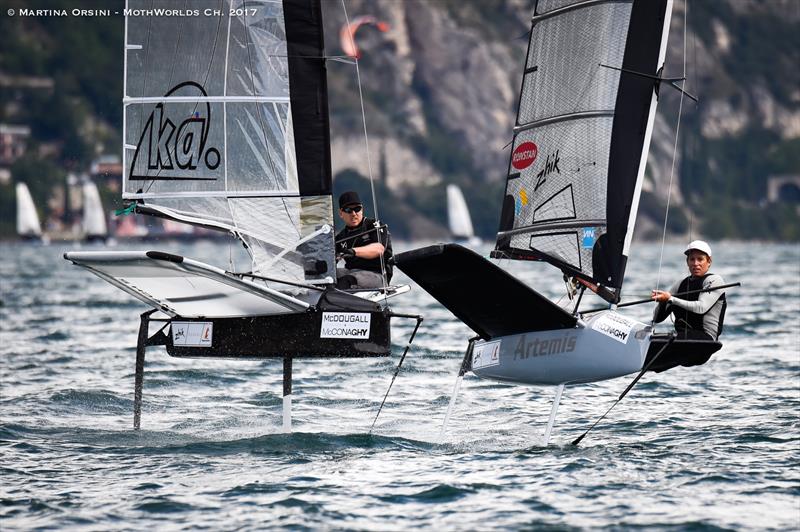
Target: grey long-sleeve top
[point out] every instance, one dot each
(708, 304)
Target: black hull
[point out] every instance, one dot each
(284, 336)
(682, 352)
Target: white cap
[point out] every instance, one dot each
(699, 245)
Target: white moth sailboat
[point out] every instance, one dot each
(28, 226)
(94, 217)
(226, 127)
(585, 118)
(458, 217)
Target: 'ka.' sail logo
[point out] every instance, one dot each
(168, 152)
(524, 155)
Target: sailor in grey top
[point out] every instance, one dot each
(698, 315)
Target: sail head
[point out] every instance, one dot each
(582, 134)
(226, 127)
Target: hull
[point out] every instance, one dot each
(608, 345)
(317, 334)
(686, 352)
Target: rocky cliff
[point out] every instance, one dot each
(441, 90)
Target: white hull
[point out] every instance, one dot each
(607, 346)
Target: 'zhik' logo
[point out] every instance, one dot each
(170, 148)
(550, 166)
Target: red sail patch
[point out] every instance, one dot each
(524, 155)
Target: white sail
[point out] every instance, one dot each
(585, 117)
(458, 214)
(94, 217)
(226, 127)
(27, 219)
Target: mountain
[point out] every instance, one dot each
(440, 94)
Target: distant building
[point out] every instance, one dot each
(783, 188)
(107, 169)
(13, 140)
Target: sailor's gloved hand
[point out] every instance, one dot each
(347, 253)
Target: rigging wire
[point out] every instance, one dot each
(674, 153)
(694, 142)
(369, 160)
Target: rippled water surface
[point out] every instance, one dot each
(711, 447)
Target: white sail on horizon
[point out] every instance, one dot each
(28, 224)
(94, 217)
(458, 217)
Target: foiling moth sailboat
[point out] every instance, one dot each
(458, 218)
(226, 127)
(28, 226)
(93, 223)
(584, 123)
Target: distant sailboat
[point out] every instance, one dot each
(94, 217)
(458, 217)
(28, 226)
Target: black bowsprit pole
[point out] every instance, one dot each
(577, 440)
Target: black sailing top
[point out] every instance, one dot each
(364, 234)
(700, 311)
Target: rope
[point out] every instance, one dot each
(369, 160)
(674, 155)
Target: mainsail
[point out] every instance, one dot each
(582, 134)
(27, 218)
(226, 126)
(458, 216)
(94, 217)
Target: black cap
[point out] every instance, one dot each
(349, 198)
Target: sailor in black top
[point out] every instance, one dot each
(699, 315)
(365, 248)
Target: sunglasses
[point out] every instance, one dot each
(351, 210)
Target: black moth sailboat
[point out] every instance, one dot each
(226, 127)
(584, 123)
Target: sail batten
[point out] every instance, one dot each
(203, 99)
(226, 126)
(561, 118)
(582, 134)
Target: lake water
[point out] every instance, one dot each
(711, 447)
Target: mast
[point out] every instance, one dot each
(582, 135)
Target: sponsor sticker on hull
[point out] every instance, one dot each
(351, 325)
(614, 326)
(192, 333)
(485, 355)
